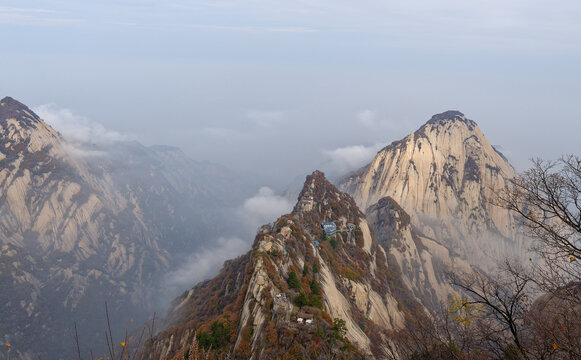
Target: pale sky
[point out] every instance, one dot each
(279, 88)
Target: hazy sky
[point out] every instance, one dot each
(282, 87)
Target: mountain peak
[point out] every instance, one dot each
(316, 180)
(319, 177)
(442, 175)
(8, 99)
(450, 114)
(323, 198)
(450, 117)
(13, 109)
(316, 188)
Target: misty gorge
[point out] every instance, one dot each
(290, 180)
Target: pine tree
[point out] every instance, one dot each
(293, 281)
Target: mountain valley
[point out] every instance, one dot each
(79, 231)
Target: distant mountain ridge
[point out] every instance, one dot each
(78, 231)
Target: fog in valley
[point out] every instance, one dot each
(222, 108)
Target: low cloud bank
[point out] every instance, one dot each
(80, 133)
(264, 207)
(352, 157)
(204, 264)
(371, 120)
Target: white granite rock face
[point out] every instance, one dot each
(424, 262)
(444, 176)
(65, 218)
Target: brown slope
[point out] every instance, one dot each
(348, 277)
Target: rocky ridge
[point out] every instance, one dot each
(293, 271)
(428, 212)
(78, 231)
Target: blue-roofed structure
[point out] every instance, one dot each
(329, 227)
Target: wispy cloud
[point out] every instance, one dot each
(15, 10)
(370, 119)
(352, 157)
(264, 207)
(264, 118)
(221, 132)
(254, 29)
(35, 17)
(477, 24)
(124, 23)
(204, 264)
(367, 118)
(80, 132)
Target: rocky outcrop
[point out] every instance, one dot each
(295, 271)
(424, 262)
(444, 176)
(78, 231)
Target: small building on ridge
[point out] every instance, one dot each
(329, 227)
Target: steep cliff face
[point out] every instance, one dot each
(423, 261)
(444, 175)
(428, 213)
(344, 283)
(77, 231)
